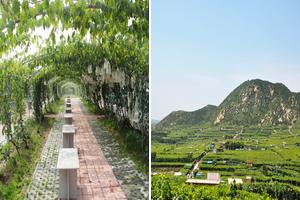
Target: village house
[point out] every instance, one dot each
(212, 179)
(250, 163)
(235, 180)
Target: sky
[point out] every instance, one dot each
(43, 34)
(202, 49)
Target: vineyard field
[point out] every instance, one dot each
(267, 155)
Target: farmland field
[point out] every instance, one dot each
(266, 154)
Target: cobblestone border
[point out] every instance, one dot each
(44, 183)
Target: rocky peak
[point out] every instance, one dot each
(259, 102)
(254, 102)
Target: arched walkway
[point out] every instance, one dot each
(95, 50)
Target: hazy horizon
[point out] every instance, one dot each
(203, 50)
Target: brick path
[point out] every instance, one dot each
(96, 179)
(134, 183)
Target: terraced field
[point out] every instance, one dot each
(267, 154)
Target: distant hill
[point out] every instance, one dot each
(254, 102)
(200, 116)
(154, 122)
(259, 102)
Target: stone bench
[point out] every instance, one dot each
(67, 100)
(68, 132)
(68, 105)
(68, 110)
(68, 118)
(68, 163)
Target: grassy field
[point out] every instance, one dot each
(272, 150)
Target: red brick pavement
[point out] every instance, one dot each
(95, 178)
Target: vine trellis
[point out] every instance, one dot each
(106, 53)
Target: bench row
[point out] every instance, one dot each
(68, 161)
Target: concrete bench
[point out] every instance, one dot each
(68, 132)
(68, 163)
(68, 110)
(68, 118)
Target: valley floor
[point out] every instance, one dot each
(269, 154)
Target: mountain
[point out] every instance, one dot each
(259, 102)
(154, 122)
(254, 102)
(200, 116)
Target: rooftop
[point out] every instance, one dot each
(205, 182)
